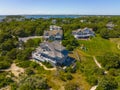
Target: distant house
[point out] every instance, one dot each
(83, 33)
(52, 52)
(82, 21)
(110, 25)
(53, 27)
(54, 21)
(1, 20)
(55, 33)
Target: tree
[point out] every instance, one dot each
(104, 33)
(24, 55)
(5, 62)
(33, 42)
(111, 60)
(4, 36)
(12, 54)
(70, 42)
(7, 45)
(107, 83)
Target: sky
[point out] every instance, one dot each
(81, 7)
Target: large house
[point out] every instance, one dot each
(83, 33)
(52, 52)
(110, 25)
(55, 33)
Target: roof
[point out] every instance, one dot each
(53, 32)
(54, 26)
(82, 30)
(54, 49)
(110, 24)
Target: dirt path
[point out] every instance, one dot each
(49, 69)
(25, 39)
(97, 63)
(14, 69)
(5, 88)
(118, 46)
(94, 87)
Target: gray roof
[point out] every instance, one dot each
(85, 30)
(53, 32)
(54, 49)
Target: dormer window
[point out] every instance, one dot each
(44, 50)
(58, 34)
(47, 34)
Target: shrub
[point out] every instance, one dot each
(107, 83)
(71, 86)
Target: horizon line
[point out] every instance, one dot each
(62, 14)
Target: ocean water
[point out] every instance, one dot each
(45, 16)
(52, 16)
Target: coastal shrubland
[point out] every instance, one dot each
(86, 73)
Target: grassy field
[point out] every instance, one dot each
(115, 40)
(98, 46)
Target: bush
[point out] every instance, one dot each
(24, 54)
(47, 64)
(4, 81)
(70, 69)
(92, 80)
(107, 83)
(33, 83)
(71, 86)
(34, 65)
(65, 76)
(110, 60)
(33, 42)
(24, 64)
(5, 63)
(70, 42)
(113, 72)
(29, 71)
(69, 76)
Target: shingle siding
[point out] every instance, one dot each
(83, 33)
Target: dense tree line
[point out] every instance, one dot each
(28, 27)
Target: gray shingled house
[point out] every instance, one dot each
(83, 33)
(52, 52)
(55, 33)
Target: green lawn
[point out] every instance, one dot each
(97, 46)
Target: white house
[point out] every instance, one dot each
(83, 33)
